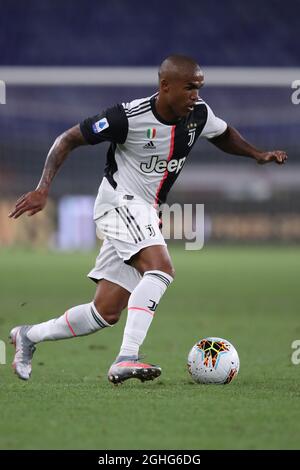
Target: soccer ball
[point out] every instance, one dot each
(213, 361)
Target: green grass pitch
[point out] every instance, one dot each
(249, 296)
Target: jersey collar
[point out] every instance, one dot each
(158, 117)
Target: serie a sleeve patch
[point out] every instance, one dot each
(100, 125)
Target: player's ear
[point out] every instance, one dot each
(164, 85)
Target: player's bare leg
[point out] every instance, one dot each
(155, 265)
(110, 299)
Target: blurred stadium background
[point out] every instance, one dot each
(63, 61)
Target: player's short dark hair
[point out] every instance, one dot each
(179, 62)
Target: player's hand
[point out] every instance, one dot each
(278, 156)
(32, 203)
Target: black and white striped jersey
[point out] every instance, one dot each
(147, 153)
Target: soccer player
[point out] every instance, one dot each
(150, 141)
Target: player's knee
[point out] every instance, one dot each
(164, 268)
(172, 272)
(110, 313)
(169, 270)
(111, 316)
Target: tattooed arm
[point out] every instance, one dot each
(35, 201)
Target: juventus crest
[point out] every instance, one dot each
(192, 134)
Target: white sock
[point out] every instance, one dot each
(141, 307)
(77, 321)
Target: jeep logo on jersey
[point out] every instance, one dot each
(100, 125)
(160, 166)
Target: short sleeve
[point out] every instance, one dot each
(109, 126)
(214, 125)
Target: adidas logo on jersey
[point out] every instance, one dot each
(149, 146)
